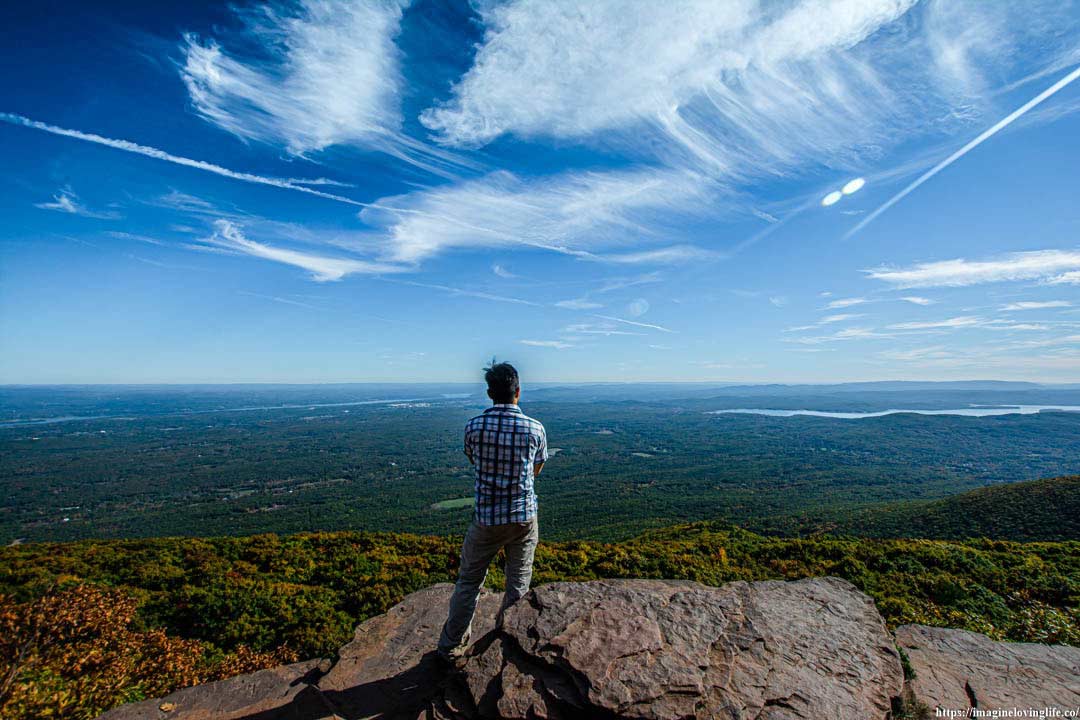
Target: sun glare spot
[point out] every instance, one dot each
(853, 186)
(831, 199)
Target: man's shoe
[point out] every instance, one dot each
(449, 661)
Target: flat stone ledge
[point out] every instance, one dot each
(959, 669)
(281, 693)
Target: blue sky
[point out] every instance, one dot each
(798, 191)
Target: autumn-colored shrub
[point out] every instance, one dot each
(72, 653)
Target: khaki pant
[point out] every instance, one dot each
(481, 544)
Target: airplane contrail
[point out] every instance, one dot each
(661, 328)
(983, 136)
(128, 146)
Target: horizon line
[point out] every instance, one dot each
(533, 382)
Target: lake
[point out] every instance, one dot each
(968, 411)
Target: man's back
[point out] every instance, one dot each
(507, 449)
(504, 446)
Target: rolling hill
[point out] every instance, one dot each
(1035, 510)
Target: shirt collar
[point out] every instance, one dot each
(508, 407)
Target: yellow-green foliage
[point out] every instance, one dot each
(304, 593)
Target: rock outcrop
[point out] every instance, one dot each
(958, 670)
(279, 693)
(774, 650)
(667, 650)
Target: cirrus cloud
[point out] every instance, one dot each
(333, 77)
(1035, 305)
(229, 237)
(574, 213)
(740, 88)
(1053, 266)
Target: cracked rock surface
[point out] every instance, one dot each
(773, 650)
(958, 669)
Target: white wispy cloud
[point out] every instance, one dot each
(963, 37)
(502, 272)
(917, 300)
(778, 300)
(839, 317)
(1069, 278)
(159, 263)
(67, 201)
(954, 322)
(1047, 342)
(845, 302)
(1035, 305)
(827, 320)
(608, 66)
(750, 87)
(635, 323)
(605, 328)
(847, 334)
(556, 344)
(333, 75)
(974, 322)
(1036, 327)
(186, 202)
(120, 235)
(1048, 265)
(579, 304)
(673, 255)
(317, 73)
(620, 283)
(319, 181)
(229, 237)
(575, 213)
(151, 152)
(467, 292)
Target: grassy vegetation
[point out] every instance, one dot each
(269, 596)
(455, 504)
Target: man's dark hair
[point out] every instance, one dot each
(502, 381)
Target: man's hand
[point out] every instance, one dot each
(469, 455)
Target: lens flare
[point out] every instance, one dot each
(831, 199)
(853, 186)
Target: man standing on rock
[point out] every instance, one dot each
(507, 449)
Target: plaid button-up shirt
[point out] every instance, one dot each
(504, 445)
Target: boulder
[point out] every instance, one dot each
(390, 667)
(660, 649)
(959, 670)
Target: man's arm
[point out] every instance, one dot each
(541, 453)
